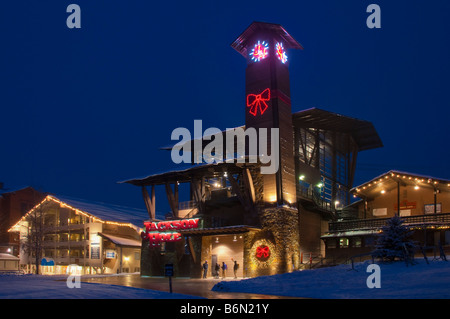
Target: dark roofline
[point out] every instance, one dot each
(240, 44)
(363, 132)
(185, 175)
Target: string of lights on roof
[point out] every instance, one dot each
(399, 175)
(50, 198)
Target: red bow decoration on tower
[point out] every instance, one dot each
(262, 252)
(255, 101)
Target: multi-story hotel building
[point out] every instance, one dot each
(96, 237)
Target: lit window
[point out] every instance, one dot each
(356, 242)
(343, 242)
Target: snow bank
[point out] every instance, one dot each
(55, 287)
(397, 281)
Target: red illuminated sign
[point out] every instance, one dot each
(157, 232)
(258, 101)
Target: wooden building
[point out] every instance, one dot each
(423, 202)
(234, 212)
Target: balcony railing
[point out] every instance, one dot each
(187, 205)
(314, 195)
(427, 220)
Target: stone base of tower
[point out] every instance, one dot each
(275, 248)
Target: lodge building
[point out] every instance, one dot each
(264, 222)
(422, 201)
(61, 232)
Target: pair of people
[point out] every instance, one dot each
(217, 270)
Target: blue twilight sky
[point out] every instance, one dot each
(82, 109)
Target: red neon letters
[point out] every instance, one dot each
(157, 232)
(172, 224)
(258, 101)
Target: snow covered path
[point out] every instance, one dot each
(55, 287)
(397, 282)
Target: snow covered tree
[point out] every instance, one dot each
(394, 241)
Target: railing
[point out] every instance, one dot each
(62, 228)
(186, 205)
(314, 195)
(415, 220)
(310, 260)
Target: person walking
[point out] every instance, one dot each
(205, 268)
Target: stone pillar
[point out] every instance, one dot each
(274, 249)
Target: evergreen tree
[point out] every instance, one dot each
(394, 241)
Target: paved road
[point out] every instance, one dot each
(195, 287)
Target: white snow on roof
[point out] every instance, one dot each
(106, 211)
(4, 256)
(121, 241)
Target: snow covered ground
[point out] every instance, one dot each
(397, 282)
(55, 287)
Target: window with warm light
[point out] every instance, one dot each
(343, 242)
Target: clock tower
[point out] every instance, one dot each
(268, 102)
(268, 105)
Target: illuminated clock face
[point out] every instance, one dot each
(280, 52)
(260, 51)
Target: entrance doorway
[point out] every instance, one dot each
(214, 272)
(227, 249)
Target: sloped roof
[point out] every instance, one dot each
(102, 212)
(121, 241)
(241, 42)
(389, 180)
(185, 174)
(107, 211)
(363, 132)
(4, 256)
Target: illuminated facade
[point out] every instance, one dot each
(96, 237)
(424, 204)
(264, 222)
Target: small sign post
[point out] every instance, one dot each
(168, 272)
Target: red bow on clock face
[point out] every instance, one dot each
(258, 101)
(262, 252)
